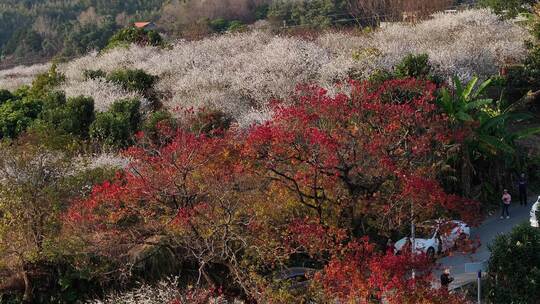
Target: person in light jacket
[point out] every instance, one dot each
(506, 200)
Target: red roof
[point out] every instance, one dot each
(142, 24)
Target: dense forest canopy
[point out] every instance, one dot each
(40, 29)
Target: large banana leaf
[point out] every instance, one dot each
(501, 120)
(463, 116)
(483, 86)
(473, 105)
(459, 86)
(495, 143)
(469, 88)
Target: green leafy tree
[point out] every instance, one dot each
(514, 266)
(24, 42)
(46, 82)
(116, 127)
(156, 120)
(31, 200)
(133, 35)
(94, 74)
(236, 26)
(84, 38)
(316, 13)
(415, 66)
(5, 95)
(508, 8)
(72, 116)
(40, 29)
(490, 147)
(460, 105)
(134, 80)
(16, 115)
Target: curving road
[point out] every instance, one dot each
(486, 233)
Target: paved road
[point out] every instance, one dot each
(486, 232)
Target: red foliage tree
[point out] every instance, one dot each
(319, 178)
(361, 159)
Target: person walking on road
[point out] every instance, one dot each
(506, 200)
(446, 279)
(522, 185)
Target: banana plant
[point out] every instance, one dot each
(466, 105)
(465, 99)
(491, 139)
(493, 134)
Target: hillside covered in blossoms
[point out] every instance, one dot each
(269, 152)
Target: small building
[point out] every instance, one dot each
(146, 25)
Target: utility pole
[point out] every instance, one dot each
(413, 238)
(478, 267)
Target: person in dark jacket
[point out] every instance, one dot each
(446, 279)
(522, 185)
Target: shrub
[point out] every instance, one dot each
(47, 81)
(16, 115)
(261, 12)
(5, 95)
(514, 266)
(210, 122)
(133, 35)
(219, 25)
(133, 80)
(380, 76)
(93, 74)
(413, 66)
(236, 26)
(72, 116)
(79, 115)
(130, 108)
(155, 119)
(115, 127)
(111, 129)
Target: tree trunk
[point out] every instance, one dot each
(27, 298)
(466, 172)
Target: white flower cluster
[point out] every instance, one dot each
(13, 78)
(103, 160)
(163, 292)
(240, 73)
(473, 42)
